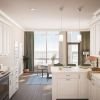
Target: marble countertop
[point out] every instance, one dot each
(96, 76)
(2, 74)
(65, 69)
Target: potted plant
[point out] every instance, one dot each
(25, 61)
(53, 58)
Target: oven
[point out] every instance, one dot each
(4, 87)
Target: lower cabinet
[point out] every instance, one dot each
(83, 86)
(98, 92)
(94, 89)
(75, 86)
(10, 84)
(13, 83)
(67, 88)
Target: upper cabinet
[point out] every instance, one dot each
(0, 38)
(95, 35)
(4, 39)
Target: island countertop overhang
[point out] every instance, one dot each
(68, 70)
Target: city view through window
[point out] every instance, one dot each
(46, 45)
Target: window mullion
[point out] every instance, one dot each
(46, 47)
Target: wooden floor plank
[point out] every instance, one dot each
(33, 92)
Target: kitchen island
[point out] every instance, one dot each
(69, 83)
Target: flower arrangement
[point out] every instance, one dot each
(92, 60)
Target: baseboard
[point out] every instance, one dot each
(71, 99)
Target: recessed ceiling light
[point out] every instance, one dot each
(33, 9)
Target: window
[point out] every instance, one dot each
(73, 53)
(46, 44)
(73, 36)
(73, 47)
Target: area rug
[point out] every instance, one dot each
(38, 80)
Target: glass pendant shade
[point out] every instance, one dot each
(60, 34)
(79, 38)
(60, 37)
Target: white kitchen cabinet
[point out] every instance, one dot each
(98, 91)
(16, 78)
(4, 38)
(89, 82)
(13, 82)
(95, 34)
(93, 40)
(69, 83)
(10, 84)
(97, 37)
(67, 88)
(94, 89)
(83, 86)
(0, 38)
(54, 87)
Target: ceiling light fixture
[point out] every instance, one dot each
(33, 9)
(60, 34)
(79, 36)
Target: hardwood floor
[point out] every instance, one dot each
(33, 92)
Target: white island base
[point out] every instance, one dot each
(69, 83)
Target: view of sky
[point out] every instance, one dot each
(40, 41)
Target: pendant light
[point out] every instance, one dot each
(79, 38)
(60, 34)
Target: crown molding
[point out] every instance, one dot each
(9, 20)
(95, 18)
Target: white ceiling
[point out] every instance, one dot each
(47, 14)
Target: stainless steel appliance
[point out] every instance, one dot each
(4, 86)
